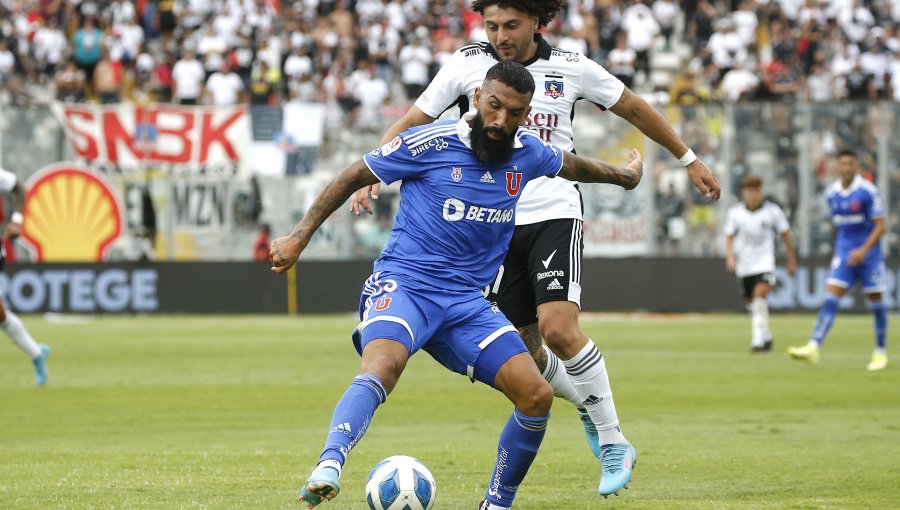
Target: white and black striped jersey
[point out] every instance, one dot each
(754, 236)
(561, 78)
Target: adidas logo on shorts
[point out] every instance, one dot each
(487, 178)
(554, 285)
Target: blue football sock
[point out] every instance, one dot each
(352, 416)
(825, 318)
(519, 443)
(880, 323)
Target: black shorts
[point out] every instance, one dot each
(543, 264)
(747, 283)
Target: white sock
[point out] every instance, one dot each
(329, 463)
(759, 319)
(587, 371)
(555, 374)
(19, 335)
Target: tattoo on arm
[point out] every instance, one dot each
(582, 169)
(332, 196)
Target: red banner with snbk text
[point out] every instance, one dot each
(127, 137)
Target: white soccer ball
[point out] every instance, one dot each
(400, 483)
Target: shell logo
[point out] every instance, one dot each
(71, 214)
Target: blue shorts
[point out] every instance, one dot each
(870, 274)
(459, 329)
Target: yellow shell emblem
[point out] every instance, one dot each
(71, 215)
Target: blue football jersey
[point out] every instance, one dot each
(456, 215)
(852, 212)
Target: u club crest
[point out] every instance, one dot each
(456, 174)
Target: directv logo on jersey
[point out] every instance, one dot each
(487, 178)
(437, 143)
(554, 89)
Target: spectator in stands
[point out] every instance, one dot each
(415, 62)
(819, 85)
(665, 12)
(739, 83)
(87, 49)
(671, 226)
(225, 87)
(859, 84)
(69, 82)
(188, 77)
(262, 90)
(7, 61)
(108, 80)
(261, 244)
(50, 47)
(621, 61)
(641, 29)
(726, 47)
(371, 92)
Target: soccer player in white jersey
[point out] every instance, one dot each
(10, 322)
(857, 213)
(448, 240)
(750, 255)
(539, 284)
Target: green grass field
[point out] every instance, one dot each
(228, 413)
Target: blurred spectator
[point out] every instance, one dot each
(7, 61)
(726, 47)
(665, 12)
(415, 60)
(262, 90)
(621, 61)
(739, 83)
(188, 77)
(50, 46)
(371, 92)
(859, 84)
(69, 83)
(261, 244)
(225, 87)
(108, 80)
(641, 29)
(819, 85)
(672, 226)
(87, 49)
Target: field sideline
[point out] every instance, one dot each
(230, 413)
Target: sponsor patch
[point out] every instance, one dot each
(391, 146)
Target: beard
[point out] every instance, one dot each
(488, 150)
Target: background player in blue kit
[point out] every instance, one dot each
(858, 216)
(461, 181)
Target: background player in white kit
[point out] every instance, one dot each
(539, 285)
(10, 322)
(750, 254)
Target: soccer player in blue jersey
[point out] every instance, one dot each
(461, 181)
(858, 216)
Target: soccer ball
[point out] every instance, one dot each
(400, 483)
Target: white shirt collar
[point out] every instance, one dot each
(857, 182)
(464, 131)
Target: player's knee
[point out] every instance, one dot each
(534, 398)
(561, 334)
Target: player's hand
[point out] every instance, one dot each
(12, 230)
(284, 252)
(360, 200)
(856, 257)
(704, 180)
(792, 266)
(636, 166)
(730, 264)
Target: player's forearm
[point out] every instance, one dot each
(413, 117)
(583, 169)
(874, 236)
(333, 196)
(789, 244)
(650, 122)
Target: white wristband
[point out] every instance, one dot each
(688, 158)
(16, 218)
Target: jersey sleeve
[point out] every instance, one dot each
(7, 180)
(445, 88)
(546, 159)
(598, 86)
(876, 204)
(730, 227)
(781, 222)
(393, 162)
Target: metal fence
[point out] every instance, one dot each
(790, 145)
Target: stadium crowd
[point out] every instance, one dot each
(358, 57)
(361, 54)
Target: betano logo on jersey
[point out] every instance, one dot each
(71, 214)
(455, 210)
